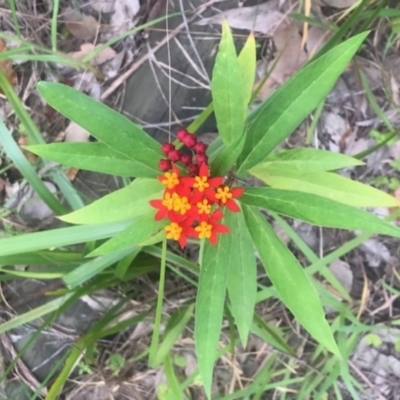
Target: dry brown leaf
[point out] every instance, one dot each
(75, 133)
(80, 25)
(290, 55)
(23, 141)
(6, 67)
(86, 48)
(72, 173)
(264, 18)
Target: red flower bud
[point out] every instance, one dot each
(181, 134)
(189, 140)
(201, 159)
(200, 148)
(167, 147)
(186, 159)
(193, 169)
(174, 155)
(165, 165)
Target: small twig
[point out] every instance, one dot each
(122, 78)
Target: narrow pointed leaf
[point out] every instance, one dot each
(247, 65)
(105, 124)
(290, 280)
(310, 160)
(142, 229)
(17, 156)
(316, 210)
(230, 107)
(226, 157)
(129, 202)
(281, 113)
(96, 157)
(325, 184)
(210, 306)
(242, 275)
(60, 237)
(93, 267)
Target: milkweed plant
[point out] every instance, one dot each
(182, 192)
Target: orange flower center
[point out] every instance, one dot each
(203, 207)
(171, 180)
(173, 231)
(182, 205)
(204, 230)
(201, 183)
(223, 194)
(170, 200)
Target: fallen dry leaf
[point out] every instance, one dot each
(75, 133)
(23, 141)
(264, 18)
(80, 25)
(6, 67)
(290, 55)
(86, 48)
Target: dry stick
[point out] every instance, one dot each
(22, 370)
(121, 79)
(366, 380)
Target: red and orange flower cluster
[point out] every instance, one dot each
(192, 201)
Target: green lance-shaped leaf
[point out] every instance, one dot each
(242, 274)
(96, 157)
(143, 228)
(230, 106)
(325, 184)
(281, 113)
(223, 160)
(105, 124)
(291, 282)
(210, 304)
(129, 202)
(247, 65)
(316, 210)
(311, 160)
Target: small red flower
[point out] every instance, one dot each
(203, 184)
(171, 179)
(224, 197)
(180, 231)
(209, 227)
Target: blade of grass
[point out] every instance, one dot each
(23, 165)
(160, 298)
(13, 8)
(54, 24)
(175, 392)
(373, 103)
